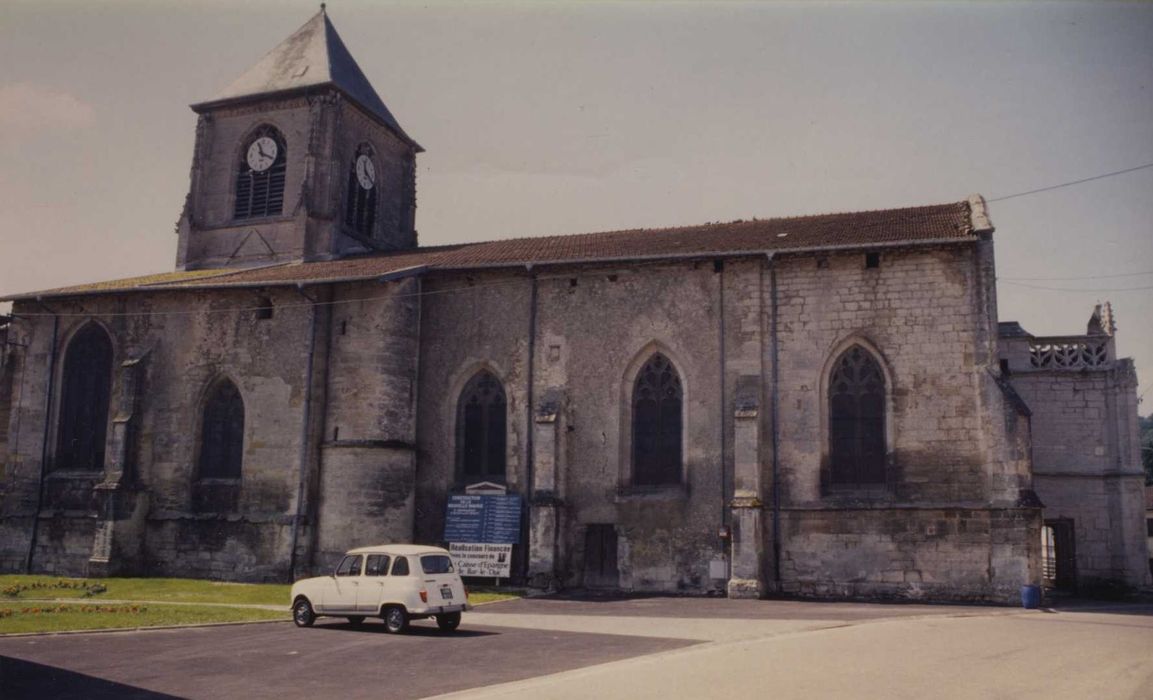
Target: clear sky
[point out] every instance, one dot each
(546, 118)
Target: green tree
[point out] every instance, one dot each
(1146, 427)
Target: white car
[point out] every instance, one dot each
(396, 582)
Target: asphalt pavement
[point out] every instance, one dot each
(620, 648)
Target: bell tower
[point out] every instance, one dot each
(298, 160)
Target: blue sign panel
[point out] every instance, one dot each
(489, 519)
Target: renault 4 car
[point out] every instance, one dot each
(395, 582)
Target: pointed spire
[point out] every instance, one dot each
(1101, 322)
(313, 57)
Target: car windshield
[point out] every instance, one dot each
(436, 564)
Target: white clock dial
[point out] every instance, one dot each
(365, 172)
(262, 154)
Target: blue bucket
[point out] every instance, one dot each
(1030, 597)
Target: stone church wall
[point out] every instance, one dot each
(366, 483)
(1087, 469)
(468, 323)
(943, 516)
(181, 354)
(596, 328)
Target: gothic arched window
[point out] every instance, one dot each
(857, 419)
(481, 428)
(260, 175)
(87, 387)
(222, 433)
(657, 424)
(360, 207)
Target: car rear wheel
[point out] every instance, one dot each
(447, 622)
(356, 620)
(302, 613)
(395, 619)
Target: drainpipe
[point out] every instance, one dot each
(44, 440)
(304, 434)
(775, 412)
(724, 403)
(530, 461)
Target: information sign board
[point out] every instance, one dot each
(485, 519)
(479, 559)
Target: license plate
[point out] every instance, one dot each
(446, 593)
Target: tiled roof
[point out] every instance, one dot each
(937, 223)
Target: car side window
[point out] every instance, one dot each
(349, 566)
(377, 565)
(400, 567)
(436, 564)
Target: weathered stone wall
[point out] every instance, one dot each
(952, 451)
(208, 236)
(977, 554)
(321, 135)
(182, 353)
(1087, 467)
(596, 329)
(468, 323)
(366, 484)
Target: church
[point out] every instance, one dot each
(821, 406)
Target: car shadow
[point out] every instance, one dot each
(415, 630)
(21, 679)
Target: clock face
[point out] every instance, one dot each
(262, 154)
(365, 172)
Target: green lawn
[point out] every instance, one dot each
(30, 616)
(26, 602)
(176, 590)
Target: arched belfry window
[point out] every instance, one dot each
(857, 419)
(360, 207)
(260, 175)
(86, 389)
(222, 433)
(657, 424)
(481, 425)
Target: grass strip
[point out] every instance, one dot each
(30, 616)
(177, 590)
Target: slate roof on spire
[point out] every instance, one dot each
(313, 57)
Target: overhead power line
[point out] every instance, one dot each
(1072, 278)
(1017, 284)
(1070, 184)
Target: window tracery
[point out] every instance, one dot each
(482, 428)
(86, 389)
(857, 419)
(222, 433)
(657, 424)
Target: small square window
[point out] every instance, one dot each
(264, 309)
(872, 260)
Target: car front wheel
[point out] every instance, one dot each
(447, 622)
(395, 619)
(302, 613)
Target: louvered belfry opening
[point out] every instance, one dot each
(481, 428)
(857, 419)
(87, 388)
(222, 433)
(261, 193)
(360, 204)
(657, 424)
